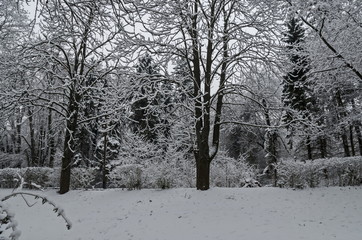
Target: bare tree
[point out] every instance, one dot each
(218, 40)
(80, 39)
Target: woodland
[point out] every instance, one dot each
(170, 93)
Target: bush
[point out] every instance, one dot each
(230, 172)
(129, 175)
(162, 175)
(38, 175)
(82, 178)
(320, 173)
(45, 177)
(9, 177)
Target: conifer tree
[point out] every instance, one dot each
(153, 99)
(297, 93)
(144, 123)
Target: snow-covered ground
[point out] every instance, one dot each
(187, 214)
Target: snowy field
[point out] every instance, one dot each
(187, 214)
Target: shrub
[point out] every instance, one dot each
(38, 175)
(9, 177)
(82, 178)
(129, 175)
(320, 172)
(45, 177)
(230, 172)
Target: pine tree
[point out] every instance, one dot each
(146, 114)
(297, 92)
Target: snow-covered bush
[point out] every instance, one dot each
(161, 175)
(172, 171)
(45, 177)
(129, 176)
(9, 177)
(38, 175)
(82, 178)
(11, 160)
(320, 172)
(230, 172)
(291, 174)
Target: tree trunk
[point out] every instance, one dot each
(104, 162)
(351, 140)
(309, 148)
(323, 147)
(68, 153)
(345, 144)
(18, 133)
(66, 164)
(342, 114)
(41, 148)
(359, 138)
(271, 138)
(33, 157)
(51, 140)
(202, 173)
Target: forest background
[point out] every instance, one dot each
(177, 93)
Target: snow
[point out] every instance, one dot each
(188, 214)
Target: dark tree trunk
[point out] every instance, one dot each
(323, 147)
(202, 173)
(357, 128)
(359, 138)
(351, 140)
(342, 113)
(68, 154)
(18, 133)
(345, 144)
(33, 157)
(104, 163)
(51, 140)
(272, 136)
(41, 148)
(309, 148)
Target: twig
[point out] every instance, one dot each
(56, 209)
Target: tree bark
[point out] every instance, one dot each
(351, 140)
(345, 144)
(51, 140)
(323, 147)
(33, 157)
(359, 137)
(202, 173)
(68, 153)
(18, 133)
(104, 162)
(41, 148)
(309, 148)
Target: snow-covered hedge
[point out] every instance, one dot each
(45, 177)
(9, 177)
(175, 172)
(320, 173)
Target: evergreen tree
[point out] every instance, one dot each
(144, 122)
(297, 92)
(88, 133)
(183, 77)
(153, 99)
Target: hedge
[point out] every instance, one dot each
(320, 173)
